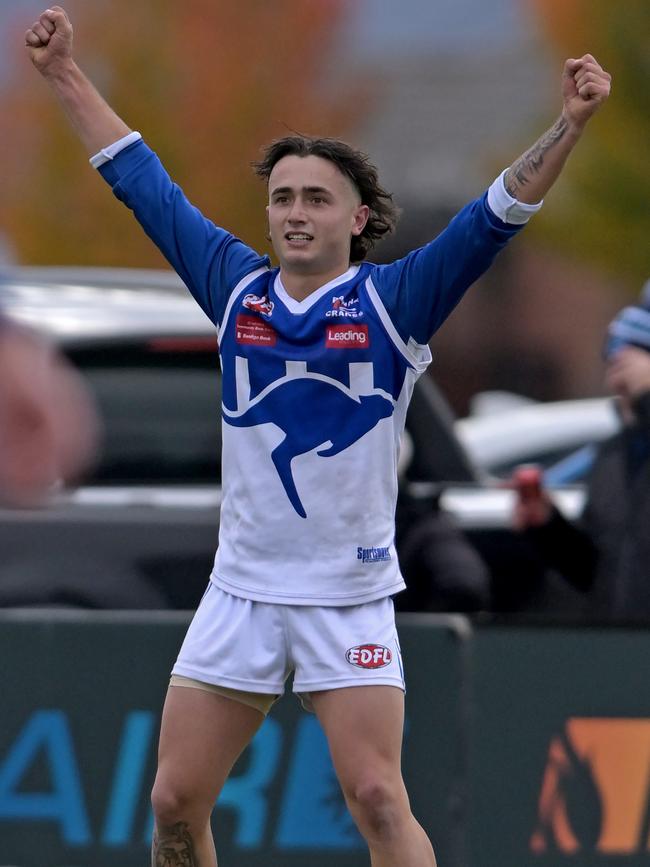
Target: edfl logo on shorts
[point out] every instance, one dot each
(369, 656)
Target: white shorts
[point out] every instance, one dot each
(254, 646)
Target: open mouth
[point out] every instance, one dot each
(298, 237)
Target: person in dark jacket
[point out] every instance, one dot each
(607, 552)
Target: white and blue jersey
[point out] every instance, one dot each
(315, 392)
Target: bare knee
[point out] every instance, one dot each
(172, 802)
(380, 807)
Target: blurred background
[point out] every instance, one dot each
(441, 95)
(522, 741)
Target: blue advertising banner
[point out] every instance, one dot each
(527, 747)
(81, 700)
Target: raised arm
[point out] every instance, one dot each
(585, 86)
(209, 259)
(49, 45)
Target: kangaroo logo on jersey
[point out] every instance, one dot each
(369, 656)
(341, 307)
(259, 305)
(313, 411)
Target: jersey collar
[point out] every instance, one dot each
(307, 303)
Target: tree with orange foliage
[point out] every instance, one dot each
(208, 85)
(605, 196)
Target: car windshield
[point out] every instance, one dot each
(160, 412)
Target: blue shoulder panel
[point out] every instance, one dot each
(209, 260)
(421, 290)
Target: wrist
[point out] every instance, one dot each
(574, 126)
(59, 70)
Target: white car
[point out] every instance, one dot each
(561, 437)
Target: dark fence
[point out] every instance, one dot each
(523, 746)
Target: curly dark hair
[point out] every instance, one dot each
(353, 164)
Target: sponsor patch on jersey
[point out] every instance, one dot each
(347, 337)
(258, 304)
(369, 656)
(254, 331)
(373, 555)
(343, 308)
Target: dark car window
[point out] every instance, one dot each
(161, 412)
(160, 404)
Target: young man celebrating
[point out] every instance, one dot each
(319, 358)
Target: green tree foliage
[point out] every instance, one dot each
(207, 82)
(604, 197)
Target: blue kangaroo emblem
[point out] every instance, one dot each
(312, 411)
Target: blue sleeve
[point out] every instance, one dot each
(420, 290)
(209, 260)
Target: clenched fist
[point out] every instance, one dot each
(585, 86)
(49, 40)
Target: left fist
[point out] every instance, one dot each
(585, 87)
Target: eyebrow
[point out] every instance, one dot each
(278, 190)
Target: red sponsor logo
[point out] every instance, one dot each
(369, 656)
(347, 337)
(259, 305)
(251, 330)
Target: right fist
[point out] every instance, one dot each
(49, 40)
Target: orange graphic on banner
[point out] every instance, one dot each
(595, 794)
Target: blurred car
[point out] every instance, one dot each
(561, 437)
(142, 529)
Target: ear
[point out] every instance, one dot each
(360, 219)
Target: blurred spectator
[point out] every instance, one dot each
(607, 554)
(443, 571)
(48, 429)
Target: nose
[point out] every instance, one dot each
(297, 212)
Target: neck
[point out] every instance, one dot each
(300, 286)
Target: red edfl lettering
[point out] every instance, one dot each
(369, 656)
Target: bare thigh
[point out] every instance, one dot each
(202, 735)
(364, 727)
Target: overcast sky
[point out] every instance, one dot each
(421, 26)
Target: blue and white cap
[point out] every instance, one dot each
(631, 327)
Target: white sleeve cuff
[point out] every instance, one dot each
(507, 209)
(107, 153)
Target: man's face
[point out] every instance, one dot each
(313, 212)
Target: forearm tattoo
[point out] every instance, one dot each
(173, 847)
(529, 163)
